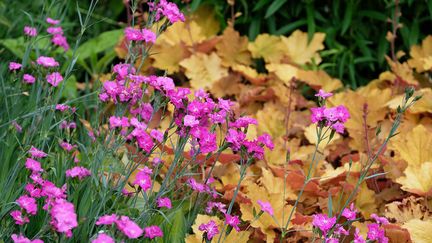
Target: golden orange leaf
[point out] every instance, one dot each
(233, 48)
(300, 51)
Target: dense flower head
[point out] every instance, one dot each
(334, 117)
(235, 138)
(14, 66)
(17, 126)
(47, 61)
(33, 191)
(376, 233)
(33, 165)
(350, 213)
(103, 238)
(164, 202)
(19, 218)
(266, 207)
(61, 41)
(55, 30)
(167, 9)
(211, 229)
(128, 227)
(28, 204)
(107, 219)
(30, 31)
(67, 146)
(29, 78)
(22, 239)
(63, 217)
(357, 237)
(146, 35)
(233, 221)
(143, 179)
(78, 171)
(54, 78)
(218, 205)
(152, 232)
(323, 222)
(51, 191)
(380, 220)
(36, 153)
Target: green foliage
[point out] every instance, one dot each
(355, 30)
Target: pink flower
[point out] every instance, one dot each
(380, 220)
(266, 140)
(156, 134)
(143, 179)
(103, 238)
(107, 219)
(220, 206)
(339, 127)
(148, 35)
(60, 40)
(51, 191)
(317, 114)
(323, 222)
(30, 31)
(210, 228)
(145, 142)
(233, 221)
(78, 171)
(243, 122)
(52, 21)
(47, 61)
(169, 10)
(62, 107)
(153, 232)
(321, 93)
(350, 213)
(164, 202)
(19, 218)
(29, 78)
(55, 30)
(14, 66)
(63, 217)
(28, 204)
(236, 138)
(190, 121)
(376, 233)
(195, 185)
(22, 239)
(17, 127)
(358, 238)
(33, 165)
(67, 146)
(129, 227)
(119, 122)
(33, 190)
(266, 207)
(54, 78)
(36, 153)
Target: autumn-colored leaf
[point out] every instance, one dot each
(301, 51)
(421, 56)
(233, 48)
(268, 47)
(204, 70)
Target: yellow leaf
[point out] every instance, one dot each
(415, 148)
(310, 134)
(233, 48)
(403, 71)
(268, 47)
(421, 56)
(188, 33)
(419, 230)
(167, 57)
(319, 79)
(284, 72)
(409, 208)
(204, 70)
(300, 50)
(205, 17)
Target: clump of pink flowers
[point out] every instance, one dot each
(333, 117)
(210, 229)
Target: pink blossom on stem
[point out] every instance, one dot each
(103, 238)
(233, 221)
(67, 146)
(33, 190)
(321, 93)
(164, 202)
(63, 217)
(55, 30)
(62, 107)
(28, 204)
(152, 232)
(30, 31)
(380, 220)
(190, 121)
(47, 61)
(79, 172)
(211, 229)
(14, 66)
(107, 219)
(266, 207)
(350, 213)
(52, 21)
(29, 78)
(128, 227)
(143, 179)
(323, 222)
(376, 233)
(36, 153)
(22, 239)
(33, 165)
(19, 218)
(54, 78)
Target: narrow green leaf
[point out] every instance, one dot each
(274, 7)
